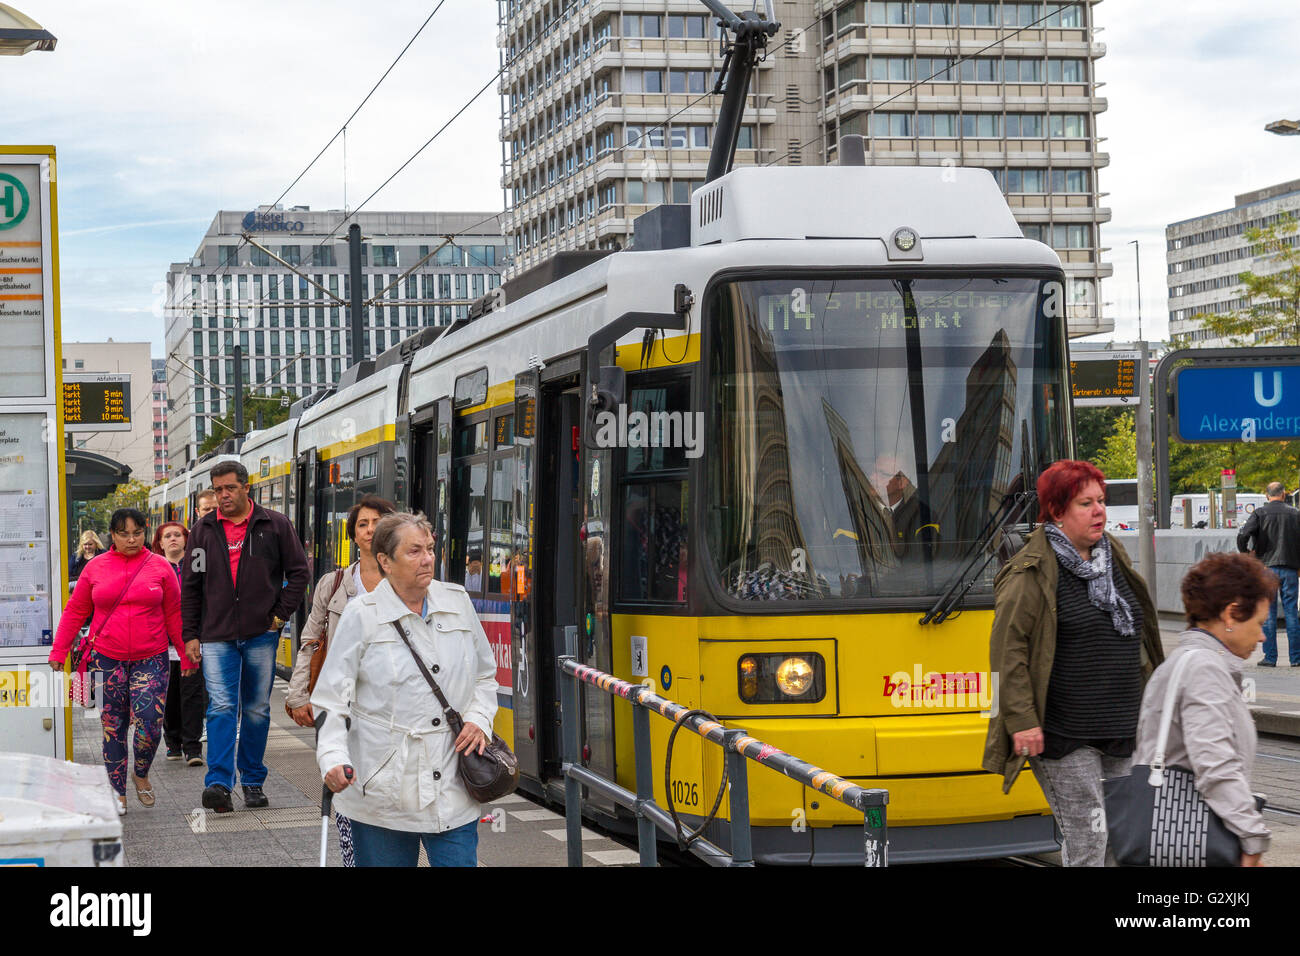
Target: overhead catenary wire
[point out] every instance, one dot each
(346, 123)
(363, 102)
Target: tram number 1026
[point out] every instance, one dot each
(686, 794)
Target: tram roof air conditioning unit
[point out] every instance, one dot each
(851, 202)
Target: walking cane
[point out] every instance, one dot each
(326, 797)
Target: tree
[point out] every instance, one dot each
(133, 494)
(1272, 313)
(1117, 457)
(1092, 426)
(274, 409)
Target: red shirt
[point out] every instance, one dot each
(235, 533)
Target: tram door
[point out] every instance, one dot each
(304, 520)
(423, 461)
(557, 556)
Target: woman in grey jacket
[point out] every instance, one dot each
(1227, 599)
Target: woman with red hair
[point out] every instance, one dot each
(187, 695)
(1075, 638)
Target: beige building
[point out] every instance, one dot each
(1206, 256)
(134, 448)
(600, 119)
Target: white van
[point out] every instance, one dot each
(1246, 504)
(1121, 504)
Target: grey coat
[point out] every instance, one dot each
(327, 606)
(1212, 733)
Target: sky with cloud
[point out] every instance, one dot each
(163, 113)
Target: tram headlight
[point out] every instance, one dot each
(794, 676)
(781, 678)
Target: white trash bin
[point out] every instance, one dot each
(55, 813)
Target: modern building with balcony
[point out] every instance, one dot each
(605, 111)
(608, 111)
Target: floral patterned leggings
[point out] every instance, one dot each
(132, 690)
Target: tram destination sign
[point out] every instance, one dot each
(1240, 402)
(1104, 378)
(96, 402)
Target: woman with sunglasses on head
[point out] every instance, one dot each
(137, 605)
(330, 597)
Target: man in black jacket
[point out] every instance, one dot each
(244, 576)
(1275, 527)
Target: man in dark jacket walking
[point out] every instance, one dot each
(1275, 528)
(244, 575)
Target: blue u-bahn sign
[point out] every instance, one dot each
(1232, 403)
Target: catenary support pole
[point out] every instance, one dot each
(356, 316)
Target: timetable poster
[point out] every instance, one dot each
(25, 619)
(22, 281)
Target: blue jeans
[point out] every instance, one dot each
(239, 675)
(1286, 592)
(379, 846)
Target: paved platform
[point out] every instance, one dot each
(177, 831)
(1276, 707)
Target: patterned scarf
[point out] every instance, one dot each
(1098, 573)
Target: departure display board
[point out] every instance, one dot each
(1109, 378)
(96, 402)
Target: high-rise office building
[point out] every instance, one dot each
(291, 325)
(1206, 256)
(605, 112)
(159, 419)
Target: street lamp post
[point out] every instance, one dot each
(21, 34)
(1145, 462)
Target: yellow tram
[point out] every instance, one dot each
(849, 374)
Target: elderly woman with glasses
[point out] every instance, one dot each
(382, 718)
(137, 606)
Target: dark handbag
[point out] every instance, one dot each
(1156, 816)
(487, 776)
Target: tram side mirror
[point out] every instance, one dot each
(608, 392)
(611, 389)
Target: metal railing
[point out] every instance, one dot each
(738, 748)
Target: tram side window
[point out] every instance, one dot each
(500, 545)
(470, 480)
(660, 430)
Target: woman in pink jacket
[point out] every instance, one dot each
(137, 607)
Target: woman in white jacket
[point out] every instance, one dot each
(1227, 598)
(383, 719)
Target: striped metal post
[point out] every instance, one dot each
(742, 846)
(646, 833)
(569, 725)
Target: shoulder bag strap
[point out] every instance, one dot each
(1167, 718)
(130, 581)
(454, 719)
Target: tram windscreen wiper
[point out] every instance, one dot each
(1010, 513)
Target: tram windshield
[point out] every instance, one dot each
(863, 432)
